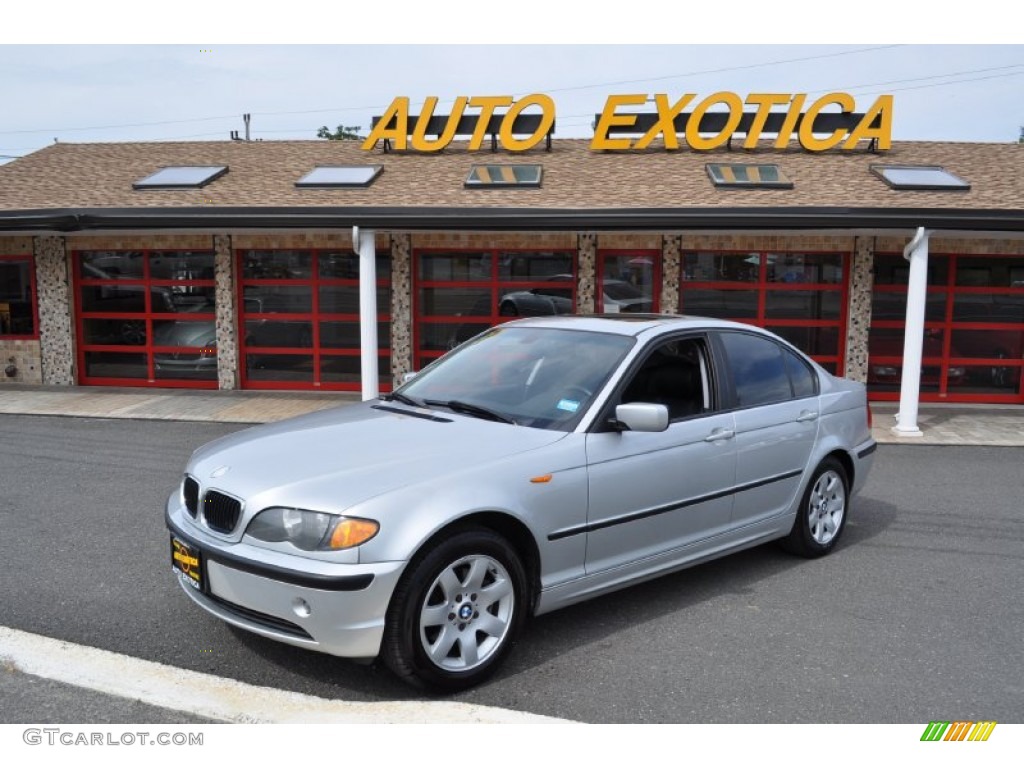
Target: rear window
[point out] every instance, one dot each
(758, 369)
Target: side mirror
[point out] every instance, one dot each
(409, 376)
(642, 417)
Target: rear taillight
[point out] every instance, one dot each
(867, 406)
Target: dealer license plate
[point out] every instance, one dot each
(186, 561)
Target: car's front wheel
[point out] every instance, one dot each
(456, 612)
(822, 514)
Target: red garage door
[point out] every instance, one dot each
(799, 296)
(974, 328)
(145, 318)
(299, 319)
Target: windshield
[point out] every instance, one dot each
(536, 377)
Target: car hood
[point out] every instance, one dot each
(333, 459)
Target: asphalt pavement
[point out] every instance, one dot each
(915, 617)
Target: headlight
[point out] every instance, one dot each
(885, 370)
(311, 530)
(956, 373)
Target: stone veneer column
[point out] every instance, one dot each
(401, 307)
(227, 317)
(53, 292)
(586, 272)
(859, 310)
(670, 248)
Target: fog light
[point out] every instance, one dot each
(301, 608)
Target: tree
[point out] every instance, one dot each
(342, 133)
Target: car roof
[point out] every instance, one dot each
(628, 323)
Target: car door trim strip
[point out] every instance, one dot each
(645, 513)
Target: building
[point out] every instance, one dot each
(244, 274)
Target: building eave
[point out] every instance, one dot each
(509, 219)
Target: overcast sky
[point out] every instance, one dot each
(163, 91)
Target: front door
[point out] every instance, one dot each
(654, 493)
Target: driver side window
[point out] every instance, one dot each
(675, 375)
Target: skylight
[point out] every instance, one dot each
(492, 176)
(746, 175)
(918, 177)
(332, 176)
(182, 177)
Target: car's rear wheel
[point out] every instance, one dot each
(456, 612)
(821, 518)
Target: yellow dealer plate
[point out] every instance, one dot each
(186, 561)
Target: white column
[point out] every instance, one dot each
(365, 242)
(916, 253)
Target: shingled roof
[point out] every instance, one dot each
(90, 186)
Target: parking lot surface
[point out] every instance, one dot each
(915, 616)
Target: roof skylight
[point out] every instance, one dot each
(747, 175)
(182, 177)
(332, 176)
(492, 176)
(919, 177)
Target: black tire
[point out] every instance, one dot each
(456, 612)
(508, 309)
(824, 508)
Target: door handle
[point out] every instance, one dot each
(807, 416)
(720, 434)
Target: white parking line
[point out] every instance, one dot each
(220, 698)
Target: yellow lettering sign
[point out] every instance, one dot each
(613, 129)
(666, 121)
(510, 142)
(609, 119)
(764, 103)
(420, 142)
(811, 142)
(399, 111)
(401, 137)
(793, 121)
(693, 136)
(487, 105)
(882, 109)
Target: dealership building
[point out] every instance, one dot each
(232, 265)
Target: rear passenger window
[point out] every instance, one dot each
(800, 375)
(758, 369)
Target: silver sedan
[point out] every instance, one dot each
(543, 462)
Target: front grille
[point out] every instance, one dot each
(262, 619)
(221, 511)
(191, 495)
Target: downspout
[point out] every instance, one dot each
(916, 252)
(364, 242)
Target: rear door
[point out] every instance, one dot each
(774, 395)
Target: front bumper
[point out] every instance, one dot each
(333, 608)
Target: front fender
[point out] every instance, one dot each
(412, 515)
